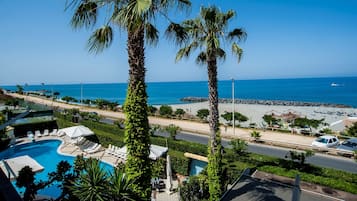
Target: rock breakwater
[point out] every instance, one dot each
(264, 102)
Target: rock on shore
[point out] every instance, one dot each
(264, 102)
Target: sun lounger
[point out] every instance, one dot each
(93, 146)
(91, 151)
(54, 132)
(37, 133)
(29, 133)
(61, 134)
(109, 150)
(45, 132)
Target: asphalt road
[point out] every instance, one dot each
(318, 159)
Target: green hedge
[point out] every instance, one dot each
(331, 181)
(62, 123)
(103, 127)
(179, 163)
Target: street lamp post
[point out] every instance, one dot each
(81, 93)
(233, 107)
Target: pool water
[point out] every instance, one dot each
(45, 153)
(196, 167)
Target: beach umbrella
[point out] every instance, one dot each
(168, 174)
(77, 131)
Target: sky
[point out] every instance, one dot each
(286, 39)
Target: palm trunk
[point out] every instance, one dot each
(215, 155)
(137, 137)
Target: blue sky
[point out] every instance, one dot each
(286, 39)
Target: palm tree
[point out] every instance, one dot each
(93, 183)
(206, 33)
(120, 187)
(135, 17)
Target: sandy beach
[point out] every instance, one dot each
(255, 112)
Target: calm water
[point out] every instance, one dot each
(45, 153)
(304, 89)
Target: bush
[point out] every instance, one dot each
(239, 146)
(195, 189)
(256, 135)
(179, 163)
(202, 114)
(165, 110)
(179, 112)
(352, 131)
(172, 130)
(152, 110)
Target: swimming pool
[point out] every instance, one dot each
(45, 153)
(196, 167)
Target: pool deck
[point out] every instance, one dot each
(68, 149)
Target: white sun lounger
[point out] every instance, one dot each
(54, 132)
(109, 150)
(37, 133)
(61, 134)
(91, 151)
(46, 133)
(92, 147)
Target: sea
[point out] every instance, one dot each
(334, 90)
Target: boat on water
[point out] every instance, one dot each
(333, 84)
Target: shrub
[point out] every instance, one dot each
(172, 130)
(239, 146)
(202, 114)
(352, 130)
(179, 112)
(152, 110)
(195, 189)
(179, 162)
(256, 135)
(165, 110)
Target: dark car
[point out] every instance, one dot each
(348, 145)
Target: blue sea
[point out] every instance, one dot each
(336, 90)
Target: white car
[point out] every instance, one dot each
(325, 141)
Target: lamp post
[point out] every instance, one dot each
(81, 93)
(233, 107)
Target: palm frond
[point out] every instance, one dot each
(141, 6)
(201, 58)
(100, 39)
(186, 51)
(237, 33)
(151, 34)
(221, 54)
(85, 15)
(177, 33)
(236, 50)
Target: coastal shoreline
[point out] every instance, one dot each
(192, 99)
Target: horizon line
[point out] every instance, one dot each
(247, 79)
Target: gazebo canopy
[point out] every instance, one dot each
(155, 151)
(77, 131)
(12, 166)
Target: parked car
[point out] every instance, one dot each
(348, 145)
(325, 141)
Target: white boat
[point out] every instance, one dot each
(333, 84)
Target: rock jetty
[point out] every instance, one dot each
(264, 102)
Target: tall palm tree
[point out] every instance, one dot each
(135, 17)
(206, 33)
